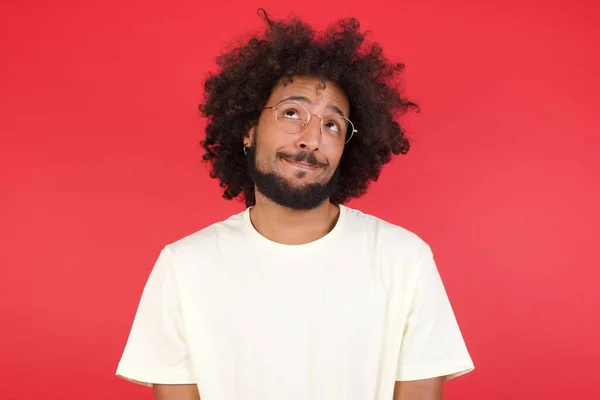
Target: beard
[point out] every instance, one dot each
(280, 191)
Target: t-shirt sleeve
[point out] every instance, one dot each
(432, 344)
(156, 350)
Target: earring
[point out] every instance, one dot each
(245, 150)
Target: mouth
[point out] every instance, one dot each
(302, 165)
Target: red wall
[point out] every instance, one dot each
(100, 167)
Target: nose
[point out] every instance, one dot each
(310, 137)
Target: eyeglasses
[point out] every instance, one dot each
(292, 118)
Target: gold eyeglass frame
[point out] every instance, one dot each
(310, 115)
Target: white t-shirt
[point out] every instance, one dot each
(342, 317)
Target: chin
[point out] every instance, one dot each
(300, 180)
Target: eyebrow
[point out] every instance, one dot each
(306, 100)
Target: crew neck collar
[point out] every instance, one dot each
(263, 241)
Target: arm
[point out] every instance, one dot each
(156, 351)
(176, 392)
(424, 389)
(432, 343)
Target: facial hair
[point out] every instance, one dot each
(277, 189)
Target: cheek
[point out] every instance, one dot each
(264, 156)
(268, 136)
(334, 158)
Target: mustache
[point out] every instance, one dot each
(303, 157)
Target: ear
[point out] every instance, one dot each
(249, 136)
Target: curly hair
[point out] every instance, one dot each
(234, 98)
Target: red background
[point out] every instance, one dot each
(100, 167)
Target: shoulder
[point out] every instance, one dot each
(209, 238)
(398, 254)
(392, 238)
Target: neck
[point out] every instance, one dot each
(292, 227)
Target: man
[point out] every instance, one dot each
(298, 296)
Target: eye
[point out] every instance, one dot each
(290, 113)
(333, 126)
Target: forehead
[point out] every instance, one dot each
(317, 91)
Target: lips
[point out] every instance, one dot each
(301, 164)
